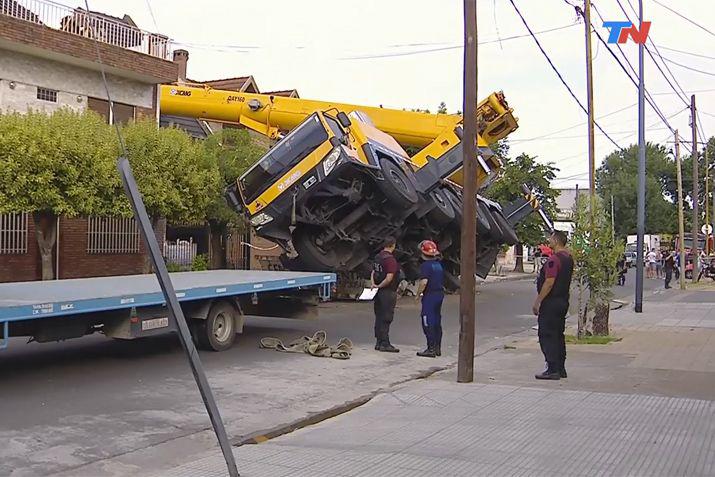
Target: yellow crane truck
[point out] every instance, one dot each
(338, 180)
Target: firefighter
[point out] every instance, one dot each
(431, 288)
(385, 277)
(551, 306)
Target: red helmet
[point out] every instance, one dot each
(429, 248)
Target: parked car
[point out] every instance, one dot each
(630, 259)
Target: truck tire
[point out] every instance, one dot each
(443, 212)
(218, 331)
(396, 186)
(495, 234)
(313, 257)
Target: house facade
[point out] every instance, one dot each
(48, 60)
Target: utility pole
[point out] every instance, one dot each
(681, 214)
(707, 202)
(713, 209)
(641, 171)
(696, 188)
(467, 299)
(591, 133)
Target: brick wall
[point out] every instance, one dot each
(22, 267)
(264, 253)
(75, 262)
(63, 43)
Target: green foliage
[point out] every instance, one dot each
(234, 152)
(592, 340)
(595, 255)
(618, 177)
(177, 179)
(62, 164)
(442, 108)
(172, 267)
(200, 263)
(525, 170)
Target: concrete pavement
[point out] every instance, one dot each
(643, 406)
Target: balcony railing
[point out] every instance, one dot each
(78, 21)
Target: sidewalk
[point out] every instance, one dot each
(641, 406)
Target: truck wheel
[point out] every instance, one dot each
(313, 256)
(396, 186)
(443, 212)
(218, 331)
(495, 233)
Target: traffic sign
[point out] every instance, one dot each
(707, 229)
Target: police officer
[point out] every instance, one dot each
(385, 277)
(551, 306)
(431, 287)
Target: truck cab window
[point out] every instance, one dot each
(334, 126)
(295, 147)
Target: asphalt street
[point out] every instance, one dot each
(49, 388)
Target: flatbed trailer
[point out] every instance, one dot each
(215, 304)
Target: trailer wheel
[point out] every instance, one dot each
(218, 331)
(443, 212)
(396, 186)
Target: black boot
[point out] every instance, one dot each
(387, 348)
(438, 350)
(551, 373)
(428, 353)
(562, 373)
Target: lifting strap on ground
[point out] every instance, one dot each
(315, 345)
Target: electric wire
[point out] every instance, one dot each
(687, 52)
(558, 73)
(684, 17)
(709, 73)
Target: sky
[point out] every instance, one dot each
(407, 54)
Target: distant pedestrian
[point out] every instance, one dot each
(431, 288)
(384, 277)
(621, 269)
(669, 266)
(552, 305)
(651, 259)
(659, 264)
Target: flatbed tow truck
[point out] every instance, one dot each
(215, 304)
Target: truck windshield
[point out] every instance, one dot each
(289, 151)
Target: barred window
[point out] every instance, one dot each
(46, 94)
(13, 233)
(112, 235)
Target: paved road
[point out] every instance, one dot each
(70, 403)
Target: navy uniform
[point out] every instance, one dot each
(553, 310)
(432, 282)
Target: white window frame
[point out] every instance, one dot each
(14, 232)
(112, 236)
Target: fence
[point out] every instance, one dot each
(13, 233)
(238, 253)
(181, 253)
(78, 21)
(106, 235)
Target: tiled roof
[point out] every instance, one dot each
(289, 93)
(193, 127)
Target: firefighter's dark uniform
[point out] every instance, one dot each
(386, 297)
(432, 298)
(553, 309)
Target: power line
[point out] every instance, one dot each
(688, 53)
(451, 47)
(684, 17)
(153, 18)
(689, 67)
(563, 81)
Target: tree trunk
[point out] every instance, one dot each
(46, 235)
(600, 319)
(217, 243)
(519, 253)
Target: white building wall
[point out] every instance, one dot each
(74, 84)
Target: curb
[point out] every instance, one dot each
(259, 437)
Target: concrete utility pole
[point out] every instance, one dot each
(681, 214)
(707, 202)
(641, 171)
(467, 299)
(613, 222)
(696, 188)
(713, 209)
(591, 133)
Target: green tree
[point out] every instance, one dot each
(525, 170)
(61, 164)
(234, 151)
(618, 177)
(442, 108)
(177, 179)
(595, 256)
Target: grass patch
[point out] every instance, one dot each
(594, 340)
